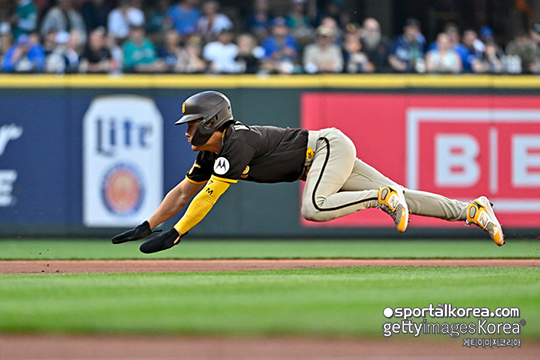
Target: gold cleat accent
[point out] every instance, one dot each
(480, 212)
(392, 201)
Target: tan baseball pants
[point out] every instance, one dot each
(339, 184)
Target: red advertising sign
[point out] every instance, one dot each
(457, 146)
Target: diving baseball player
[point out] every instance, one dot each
(337, 183)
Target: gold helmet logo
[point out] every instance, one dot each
(183, 108)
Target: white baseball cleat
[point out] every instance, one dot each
(480, 212)
(392, 201)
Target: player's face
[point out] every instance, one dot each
(213, 144)
(191, 128)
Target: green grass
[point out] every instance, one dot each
(321, 302)
(195, 249)
(325, 302)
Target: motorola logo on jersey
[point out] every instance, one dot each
(221, 166)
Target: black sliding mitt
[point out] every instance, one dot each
(139, 232)
(161, 242)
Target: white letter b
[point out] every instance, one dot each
(455, 160)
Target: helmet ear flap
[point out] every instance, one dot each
(204, 131)
(210, 123)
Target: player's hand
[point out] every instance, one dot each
(139, 232)
(162, 241)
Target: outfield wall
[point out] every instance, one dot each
(82, 154)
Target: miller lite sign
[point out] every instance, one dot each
(122, 161)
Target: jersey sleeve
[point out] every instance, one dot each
(233, 159)
(202, 169)
(201, 204)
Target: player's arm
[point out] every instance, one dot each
(203, 203)
(197, 210)
(173, 202)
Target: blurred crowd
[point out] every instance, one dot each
(191, 36)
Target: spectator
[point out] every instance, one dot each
(527, 51)
(298, 22)
(63, 17)
(535, 36)
(95, 13)
(486, 34)
(355, 60)
(121, 18)
(49, 42)
(6, 40)
(332, 9)
(191, 61)
(259, 21)
(280, 49)
(407, 50)
(331, 23)
(472, 54)
(221, 54)
(24, 57)
(184, 16)
(97, 58)
(454, 37)
(491, 61)
(249, 54)
(35, 39)
(535, 33)
(157, 20)
(375, 46)
(212, 23)
(453, 33)
(25, 19)
(443, 59)
(323, 56)
(117, 53)
(140, 55)
(171, 51)
(65, 57)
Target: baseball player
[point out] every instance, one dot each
(337, 182)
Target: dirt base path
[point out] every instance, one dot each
(206, 348)
(115, 266)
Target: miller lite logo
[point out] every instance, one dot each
(221, 166)
(122, 161)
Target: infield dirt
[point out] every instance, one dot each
(116, 266)
(34, 347)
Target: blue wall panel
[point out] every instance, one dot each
(40, 157)
(48, 160)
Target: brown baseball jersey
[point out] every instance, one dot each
(264, 154)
